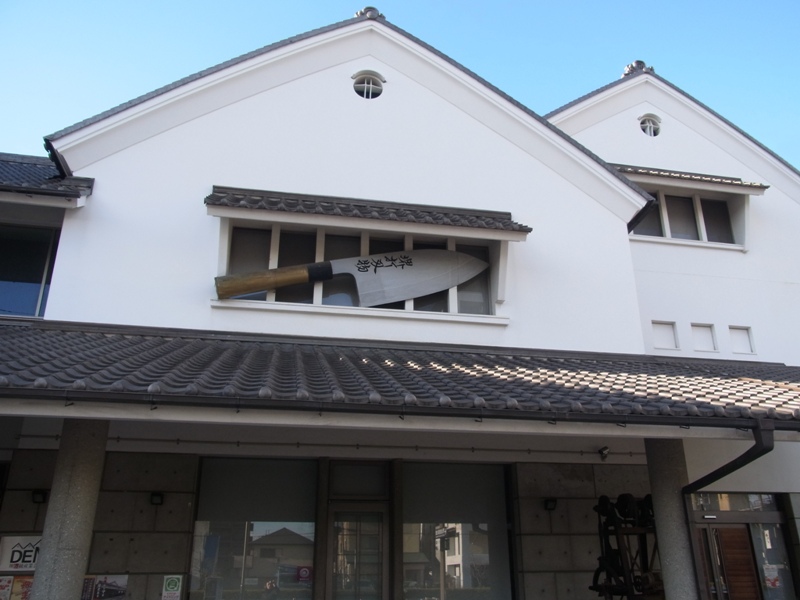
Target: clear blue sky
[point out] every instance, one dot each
(63, 61)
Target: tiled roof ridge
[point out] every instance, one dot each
(125, 364)
(686, 175)
(361, 208)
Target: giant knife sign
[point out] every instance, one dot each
(380, 278)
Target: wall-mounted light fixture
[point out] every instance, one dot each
(604, 452)
(156, 498)
(39, 496)
(550, 503)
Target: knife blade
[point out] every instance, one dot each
(380, 278)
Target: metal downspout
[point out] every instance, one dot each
(764, 437)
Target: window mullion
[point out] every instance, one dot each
(408, 245)
(662, 208)
(698, 215)
(319, 256)
(452, 293)
(274, 245)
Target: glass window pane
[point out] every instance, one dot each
(26, 259)
(252, 559)
(454, 531)
(241, 515)
(296, 249)
(249, 252)
(474, 295)
(651, 223)
(682, 223)
(717, 220)
(358, 558)
(341, 290)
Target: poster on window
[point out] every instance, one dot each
(88, 588)
(771, 576)
(110, 586)
(21, 589)
(5, 587)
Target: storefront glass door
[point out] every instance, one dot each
(359, 554)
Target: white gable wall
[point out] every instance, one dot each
(758, 287)
(143, 251)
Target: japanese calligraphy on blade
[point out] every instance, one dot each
(380, 278)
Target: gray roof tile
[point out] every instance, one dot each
(362, 209)
(39, 175)
(80, 362)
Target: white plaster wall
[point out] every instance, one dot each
(143, 250)
(757, 288)
(776, 472)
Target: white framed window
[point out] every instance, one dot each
(708, 218)
(704, 338)
(665, 337)
(257, 246)
(741, 340)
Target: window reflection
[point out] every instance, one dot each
(264, 560)
(439, 558)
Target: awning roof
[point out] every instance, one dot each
(362, 209)
(74, 362)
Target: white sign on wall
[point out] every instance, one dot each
(19, 553)
(172, 587)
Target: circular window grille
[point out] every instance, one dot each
(368, 84)
(650, 125)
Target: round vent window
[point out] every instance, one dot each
(368, 84)
(650, 125)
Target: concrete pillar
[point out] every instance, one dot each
(67, 537)
(666, 465)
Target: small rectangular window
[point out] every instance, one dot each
(692, 218)
(741, 340)
(703, 338)
(664, 336)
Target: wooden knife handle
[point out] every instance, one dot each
(229, 286)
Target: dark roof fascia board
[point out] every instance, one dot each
(651, 73)
(271, 47)
(154, 400)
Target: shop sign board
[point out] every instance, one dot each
(19, 553)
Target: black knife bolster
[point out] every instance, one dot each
(321, 271)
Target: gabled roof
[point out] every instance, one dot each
(39, 175)
(638, 69)
(73, 362)
(367, 14)
(362, 209)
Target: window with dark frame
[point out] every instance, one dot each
(27, 255)
(691, 218)
(251, 248)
